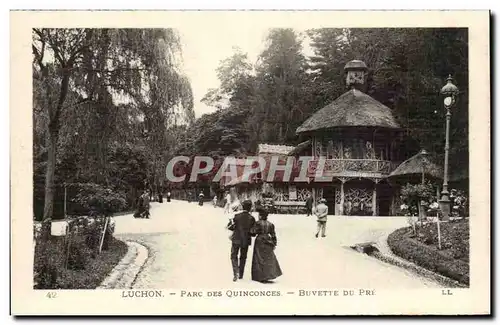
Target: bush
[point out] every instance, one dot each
(76, 252)
(79, 254)
(84, 270)
(47, 263)
(454, 238)
(99, 200)
(96, 269)
(413, 194)
(460, 204)
(428, 257)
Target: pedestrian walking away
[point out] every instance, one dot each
(145, 201)
(241, 238)
(265, 266)
(200, 199)
(321, 213)
(309, 205)
(139, 207)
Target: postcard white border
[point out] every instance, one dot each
(26, 301)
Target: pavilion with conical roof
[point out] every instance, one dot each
(356, 142)
(360, 139)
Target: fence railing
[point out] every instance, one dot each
(340, 166)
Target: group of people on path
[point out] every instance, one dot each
(244, 227)
(265, 265)
(143, 203)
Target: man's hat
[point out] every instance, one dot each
(322, 201)
(247, 205)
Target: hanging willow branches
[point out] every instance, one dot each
(96, 88)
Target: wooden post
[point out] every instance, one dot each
(65, 199)
(68, 238)
(374, 199)
(439, 232)
(103, 234)
(342, 198)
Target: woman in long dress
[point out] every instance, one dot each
(265, 266)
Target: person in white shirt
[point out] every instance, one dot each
(236, 205)
(321, 213)
(227, 205)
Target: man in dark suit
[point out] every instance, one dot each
(241, 238)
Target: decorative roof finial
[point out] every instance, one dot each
(355, 74)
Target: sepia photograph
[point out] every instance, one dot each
(208, 161)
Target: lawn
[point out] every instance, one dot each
(451, 261)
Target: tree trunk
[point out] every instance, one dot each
(48, 208)
(54, 126)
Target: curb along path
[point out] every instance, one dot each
(124, 274)
(381, 251)
(385, 254)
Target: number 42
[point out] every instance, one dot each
(51, 294)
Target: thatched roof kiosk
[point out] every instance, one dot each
(352, 109)
(360, 141)
(411, 169)
(354, 118)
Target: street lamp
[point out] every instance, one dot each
(424, 162)
(450, 93)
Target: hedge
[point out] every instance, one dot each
(427, 257)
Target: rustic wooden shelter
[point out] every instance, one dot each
(360, 140)
(286, 193)
(414, 170)
(411, 170)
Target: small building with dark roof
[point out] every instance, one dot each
(356, 143)
(358, 138)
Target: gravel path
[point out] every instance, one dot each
(189, 248)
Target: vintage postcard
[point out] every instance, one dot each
(250, 163)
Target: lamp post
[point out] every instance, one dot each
(450, 93)
(424, 162)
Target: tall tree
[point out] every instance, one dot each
(280, 83)
(89, 70)
(225, 132)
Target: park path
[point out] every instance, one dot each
(189, 248)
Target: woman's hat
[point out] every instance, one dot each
(322, 201)
(263, 212)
